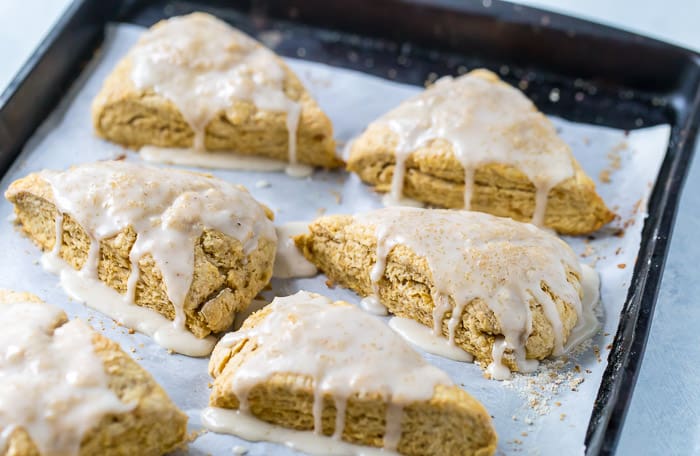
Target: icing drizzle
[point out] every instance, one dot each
(52, 384)
(485, 121)
(202, 64)
(168, 210)
(472, 255)
(307, 334)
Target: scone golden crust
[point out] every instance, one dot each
(450, 422)
(224, 280)
(346, 251)
(135, 117)
(154, 425)
(435, 175)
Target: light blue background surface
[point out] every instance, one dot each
(664, 416)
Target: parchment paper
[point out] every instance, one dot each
(545, 413)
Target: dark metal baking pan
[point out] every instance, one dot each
(603, 76)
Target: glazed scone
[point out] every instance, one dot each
(478, 130)
(195, 82)
(67, 390)
(191, 247)
(506, 292)
(302, 358)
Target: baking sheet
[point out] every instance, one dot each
(544, 413)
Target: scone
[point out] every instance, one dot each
(188, 246)
(67, 390)
(474, 142)
(303, 358)
(506, 292)
(195, 82)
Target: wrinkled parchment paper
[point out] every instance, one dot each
(545, 413)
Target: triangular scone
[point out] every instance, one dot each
(479, 130)
(191, 247)
(67, 389)
(304, 354)
(195, 82)
(504, 291)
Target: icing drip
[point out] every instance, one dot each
(485, 121)
(306, 334)
(203, 66)
(52, 384)
(373, 305)
(473, 255)
(167, 209)
(588, 324)
(289, 261)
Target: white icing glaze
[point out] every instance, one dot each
(239, 450)
(218, 159)
(373, 305)
(343, 350)
(52, 384)
(289, 261)
(588, 323)
(475, 255)
(485, 121)
(203, 65)
(425, 339)
(496, 369)
(168, 210)
(250, 428)
(96, 295)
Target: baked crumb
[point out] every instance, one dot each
(192, 436)
(338, 196)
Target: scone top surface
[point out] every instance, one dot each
(162, 215)
(460, 259)
(483, 122)
(347, 368)
(345, 350)
(231, 91)
(473, 255)
(52, 384)
(202, 63)
(486, 121)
